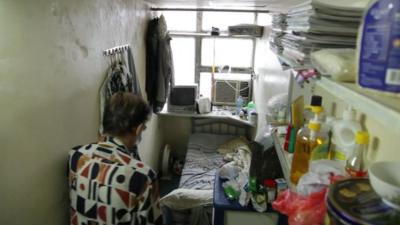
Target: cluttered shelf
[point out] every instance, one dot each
(323, 36)
(386, 109)
(285, 157)
(331, 38)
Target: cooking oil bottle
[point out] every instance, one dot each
(355, 164)
(308, 139)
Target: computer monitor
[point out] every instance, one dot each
(182, 98)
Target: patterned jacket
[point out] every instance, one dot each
(109, 185)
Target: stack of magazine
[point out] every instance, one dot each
(279, 21)
(314, 25)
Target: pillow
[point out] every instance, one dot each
(187, 198)
(233, 144)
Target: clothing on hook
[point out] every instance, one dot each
(159, 63)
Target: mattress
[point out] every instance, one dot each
(202, 161)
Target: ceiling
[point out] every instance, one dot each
(273, 5)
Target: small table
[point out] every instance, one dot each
(228, 212)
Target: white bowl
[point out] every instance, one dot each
(385, 180)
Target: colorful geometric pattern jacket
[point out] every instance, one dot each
(109, 185)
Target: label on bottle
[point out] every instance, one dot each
(339, 155)
(379, 64)
(320, 152)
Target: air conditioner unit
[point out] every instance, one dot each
(226, 92)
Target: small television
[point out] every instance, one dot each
(182, 98)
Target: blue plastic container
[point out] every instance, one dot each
(379, 47)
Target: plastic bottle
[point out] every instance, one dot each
(379, 47)
(251, 107)
(355, 164)
(316, 105)
(270, 189)
(239, 104)
(327, 127)
(315, 108)
(344, 134)
(308, 139)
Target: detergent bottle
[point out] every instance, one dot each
(344, 135)
(379, 48)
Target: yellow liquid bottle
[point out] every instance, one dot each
(308, 139)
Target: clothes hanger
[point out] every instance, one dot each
(114, 55)
(120, 56)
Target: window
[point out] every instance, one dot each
(233, 52)
(183, 52)
(180, 20)
(264, 19)
(195, 51)
(205, 84)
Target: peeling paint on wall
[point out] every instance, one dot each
(51, 68)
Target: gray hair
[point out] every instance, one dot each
(123, 112)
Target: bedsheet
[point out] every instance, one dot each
(202, 161)
(198, 173)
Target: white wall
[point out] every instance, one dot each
(51, 68)
(176, 132)
(270, 81)
(384, 141)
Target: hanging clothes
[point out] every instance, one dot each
(151, 60)
(159, 63)
(119, 78)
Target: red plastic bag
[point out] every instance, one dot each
(302, 210)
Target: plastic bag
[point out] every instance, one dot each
(277, 109)
(337, 63)
(319, 176)
(229, 171)
(302, 210)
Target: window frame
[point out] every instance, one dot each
(200, 34)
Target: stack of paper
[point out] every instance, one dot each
(315, 25)
(279, 22)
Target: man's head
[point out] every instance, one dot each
(124, 114)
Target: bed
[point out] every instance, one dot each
(191, 203)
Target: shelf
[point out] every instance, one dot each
(385, 109)
(208, 34)
(285, 158)
(216, 114)
(291, 63)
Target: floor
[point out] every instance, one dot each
(166, 186)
